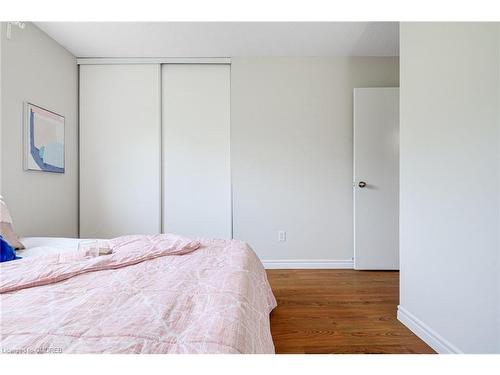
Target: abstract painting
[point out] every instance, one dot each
(44, 132)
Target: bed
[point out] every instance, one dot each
(153, 294)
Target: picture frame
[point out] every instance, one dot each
(44, 140)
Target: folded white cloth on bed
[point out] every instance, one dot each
(35, 246)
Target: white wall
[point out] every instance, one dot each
(449, 197)
(291, 152)
(37, 69)
(1, 85)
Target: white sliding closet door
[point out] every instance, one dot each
(196, 164)
(120, 137)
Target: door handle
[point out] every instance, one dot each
(362, 184)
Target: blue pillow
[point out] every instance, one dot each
(7, 252)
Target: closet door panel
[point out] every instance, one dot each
(120, 154)
(196, 151)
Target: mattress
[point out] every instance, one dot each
(153, 294)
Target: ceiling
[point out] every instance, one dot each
(225, 39)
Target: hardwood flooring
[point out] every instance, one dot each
(339, 311)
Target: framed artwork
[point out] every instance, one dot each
(44, 140)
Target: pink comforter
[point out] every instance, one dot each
(154, 294)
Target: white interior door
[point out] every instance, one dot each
(376, 178)
(119, 150)
(196, 152)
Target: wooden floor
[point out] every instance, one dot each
(339, 311)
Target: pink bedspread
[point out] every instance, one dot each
(154, 294)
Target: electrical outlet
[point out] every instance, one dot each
(281, 236)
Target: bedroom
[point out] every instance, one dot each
(307, 187)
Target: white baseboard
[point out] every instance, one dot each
(431, 338)
(308, 264)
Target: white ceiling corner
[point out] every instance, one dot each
(225, 39)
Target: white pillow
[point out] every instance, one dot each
(4, 212)
(6, 230)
